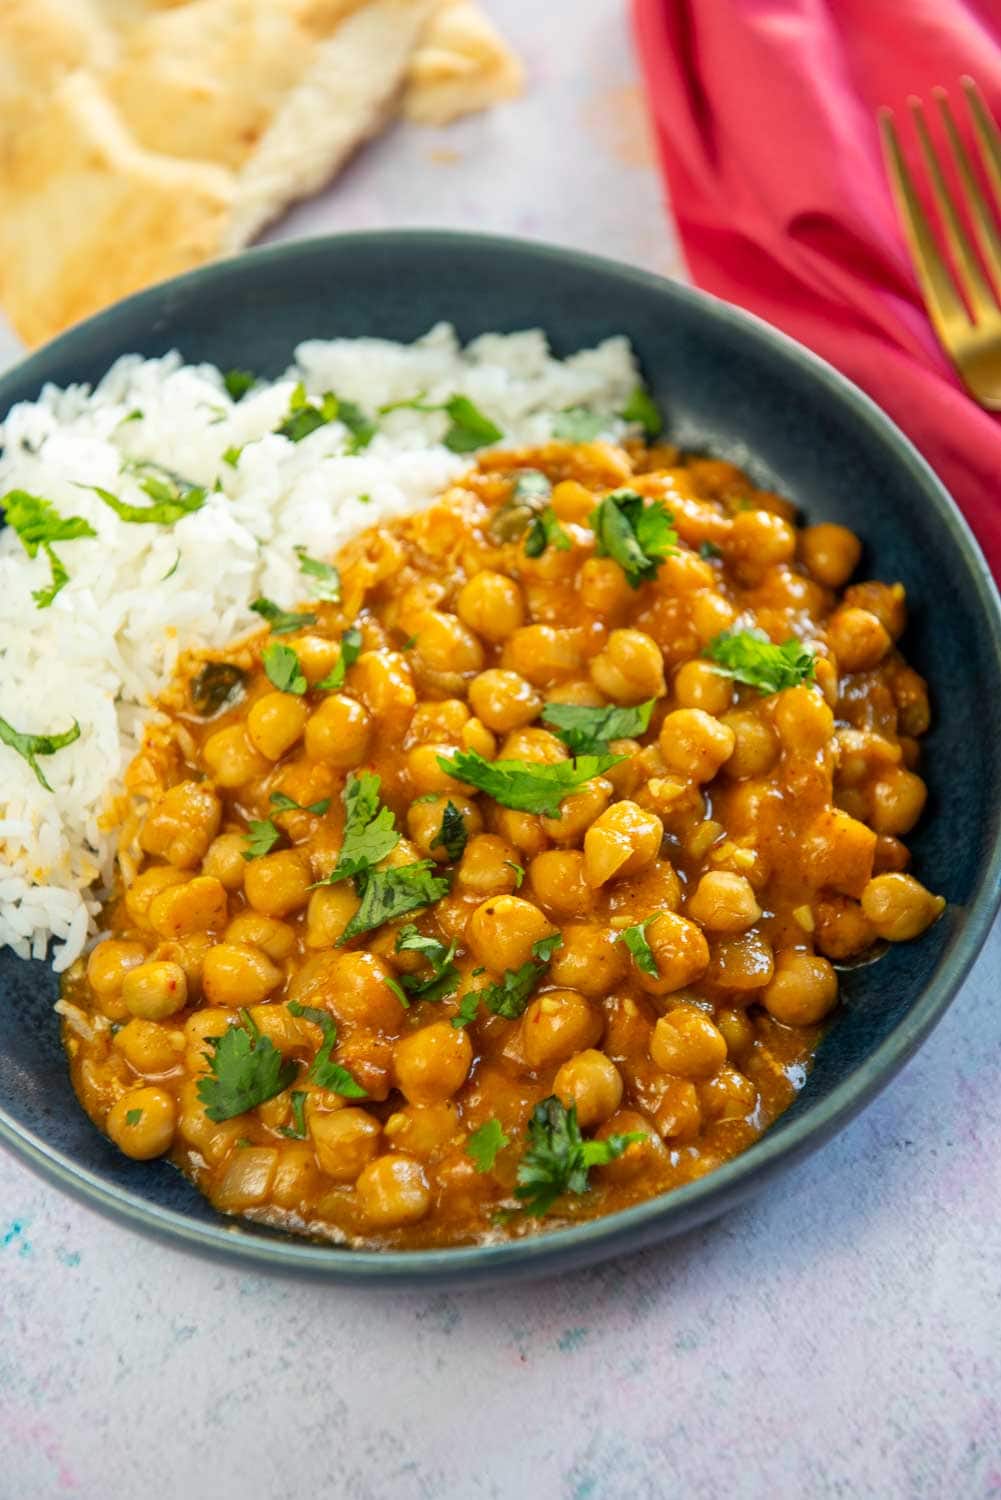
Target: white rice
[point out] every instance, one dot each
(110, 640)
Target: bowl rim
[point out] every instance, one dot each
(694, 1202)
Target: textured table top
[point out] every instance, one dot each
(840, 1336)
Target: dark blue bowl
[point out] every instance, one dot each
(732, 386)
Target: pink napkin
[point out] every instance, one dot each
(765, 119)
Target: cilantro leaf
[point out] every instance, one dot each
(29, 746)
(231, 455)
(324, 1072)
(510, 997)
(328, 586)
(588, 731)
(262, 836)
(60, 578)
(283, 803)
(544, 948)
(245, 1069)
(578, 425)
(468, 1007)
(306, 414)
(281, 666)
(133, 1116)
(171, 502)
(469, 428)
(485, 1144)
(217, 686)
(351, 644)
(444, 974)
(297, 1130)
(387, 894)
(282, 621)
(545, 531)
(39, 524)
(519, 873)
(642, 408)
(238, 383)
(526, 785)
(369, 828)
(709, 550)
(558, 1159)
(751, 658)
(635, 940)
(361, 428)
(635, 535)
(529, 494)
(453, 834)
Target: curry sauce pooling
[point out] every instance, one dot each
(504, 883)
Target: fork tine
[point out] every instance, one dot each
(983, 221)
(941, 298)
(979, 294)
(987, 135)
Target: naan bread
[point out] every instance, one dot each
(139, 138)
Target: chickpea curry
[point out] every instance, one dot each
(506, 881)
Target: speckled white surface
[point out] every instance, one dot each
(840, 1337)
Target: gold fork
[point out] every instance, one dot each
(963, 304)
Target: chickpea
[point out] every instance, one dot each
(504, 700)
(557, 1024)
(230, 758)
(891, 854)
(737, 1029)
(352, 986)
(247, 1178)
(277, 884)
(148, 1047)
(276, 939)
(383, 682)
(579, 691)
(898, 800)
(837, 850)
(630, 668)
(887, 601)
(802, 990)
(830, 553)
(108, 965)
(345, 1142)
(147, 885)
(431, 1064)
(557, 882)
(590, 960)
(572, 501)
(535, 745)
(199, 1029)
(578, 811)
(756, 745)
(723, 902)
(758, 540)
(425, 821)
(476, 736)
(840, 928)
(214, 1141)
(710, 613)
(445, 645)
(392, 1191)
(804, 721)
(698, 684)
(743, 963)
(544, 654)
(236, 974)
(423, 1129)
(503, 930)
(142, 1123)
(491, 604)
(604, 589)
(275, 723)
(858, 639)
(317, 656)
(728, 1096)
(523, 831)
(679, 1113)
(182, 824)
(339, 732)
(899, 907)
(686, 1043)
(441, 721)
(155, 990)
(296, 1175)
(224, 860)
(694, 744)
(592, 1083)
(426, 775)
(640, 1158)
(200, 905)
(487, 867)
(680, 952)
(620, 842)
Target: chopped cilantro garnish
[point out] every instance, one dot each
(283, 803)
(642, 408)
(361, 428)
(387, 894)
(328, 584)
(217, 686)
(545, 947)
(262, 836)
(39, 524)
(468, 427)
(635, 535)
(297, 1130)
(635, 940)
(245, 1069)
(351, 644)
(558, 1159)
(519, 873)
(135, 415)
(468, 1007)
(281, 666)
(306, 414)
(369, 828)
(751, 658)
(324, 1072)
(544, 531)
(709, 550)
(282, 621)
(485, 1144)
(238, 383)
(444, 975)
(133, 1116)
(578, 425)
(526, 785)
(171, 502)
(172, 569)
(588, 731)
(231, 455)
(453, 834)
(529, 495)
(510, 997)
(30, 746)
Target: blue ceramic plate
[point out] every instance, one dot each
(731, 385)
